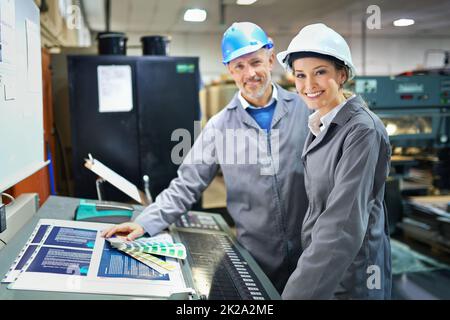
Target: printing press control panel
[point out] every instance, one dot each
(217, 267)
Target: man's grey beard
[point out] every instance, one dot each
(260, 93)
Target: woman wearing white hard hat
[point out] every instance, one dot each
(345, 239)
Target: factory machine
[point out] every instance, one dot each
(124, 111)
(416, 113)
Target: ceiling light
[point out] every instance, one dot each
(245, 2)
(403, 22)
(195, 15)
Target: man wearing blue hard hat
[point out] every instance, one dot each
(267, 206)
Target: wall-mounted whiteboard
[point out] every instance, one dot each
(21, 116)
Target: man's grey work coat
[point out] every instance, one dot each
(267, 209)
(345, 239)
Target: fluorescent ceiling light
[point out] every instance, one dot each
(195, 15)
(403, 22)
(245, 2)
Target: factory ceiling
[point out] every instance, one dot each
(276, 16)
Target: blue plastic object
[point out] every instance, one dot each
(243, 38)
(51, 171)
(87, 211)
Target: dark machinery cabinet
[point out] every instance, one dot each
(112, 137)
(168, 100)
(137, 142)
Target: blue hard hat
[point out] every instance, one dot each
(242, 38)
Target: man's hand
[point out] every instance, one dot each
(130, 230)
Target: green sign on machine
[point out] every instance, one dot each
(185, 68)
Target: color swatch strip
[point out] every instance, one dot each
(167, 249)
(153, 262)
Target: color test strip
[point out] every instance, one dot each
(173, 250)
(152, 259)
(147, 262)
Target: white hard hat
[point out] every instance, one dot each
(319, 38)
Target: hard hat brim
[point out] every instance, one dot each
(283, 55)
(245, 50)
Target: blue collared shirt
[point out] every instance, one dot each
(262, 115)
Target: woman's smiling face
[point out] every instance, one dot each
(318, 83)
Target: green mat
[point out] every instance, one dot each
(404, 259)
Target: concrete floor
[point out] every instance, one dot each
(423, 274)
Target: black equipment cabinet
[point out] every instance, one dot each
(168, 100)
(137, 142)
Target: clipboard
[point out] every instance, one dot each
(115, 179)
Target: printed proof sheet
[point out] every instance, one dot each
(71, 256)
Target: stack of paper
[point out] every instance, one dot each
(145, 249)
